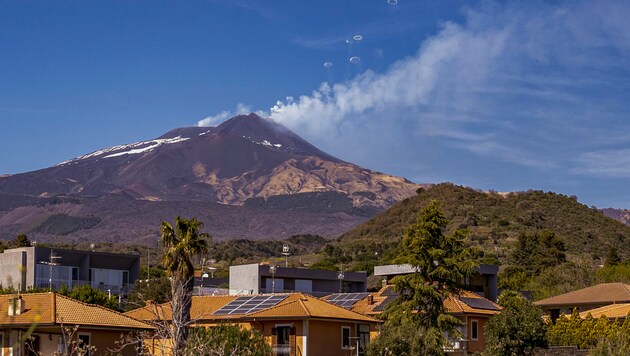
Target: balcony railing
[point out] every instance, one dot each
(57, 283)
(281, 350)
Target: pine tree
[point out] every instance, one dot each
(440, 262)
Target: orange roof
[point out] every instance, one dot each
(55, 309)
(605, 293)
(294, 306)
(300, 305)
(613, 311)
(453, 304)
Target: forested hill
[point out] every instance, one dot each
(495, 220)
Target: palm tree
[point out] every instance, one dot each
(182, 243)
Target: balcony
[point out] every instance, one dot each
(282, 350)
(57, 283)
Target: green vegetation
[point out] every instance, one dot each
(182, 243)
(440, 261)
(226, 339)
(601, 335)
(87, 294)
(22, 240)
(495, 222)
(517, 330)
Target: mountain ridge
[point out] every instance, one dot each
(242, 162)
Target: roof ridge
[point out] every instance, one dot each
(280, 304)
(97, 306)
(308, 311)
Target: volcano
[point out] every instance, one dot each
(247, 163)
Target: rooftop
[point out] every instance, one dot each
(293, 306)
(56, 309)
(605, 293)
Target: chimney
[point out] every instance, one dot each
(370, 299)
(16, 306)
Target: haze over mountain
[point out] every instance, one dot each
(258, 167)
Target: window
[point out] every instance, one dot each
(474, 329)
(345, 337)
(84, 343)
(283, 342)
(364, 338)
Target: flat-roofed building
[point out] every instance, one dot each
(43, 267)
(260, 278)
(483, 282)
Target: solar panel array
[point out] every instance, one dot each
(249, 304)
(389, 290)
(381, 307)
(346, 300)
(479, 303)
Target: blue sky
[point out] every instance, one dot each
(500, 95)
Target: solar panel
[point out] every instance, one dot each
(346, 300)
(479, 303)
(249, 304)
(389, 290)
(385, 303)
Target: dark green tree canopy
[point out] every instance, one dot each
(441, 261)
(517, 330)
(182, 243)
(22, 240)
(533, 253)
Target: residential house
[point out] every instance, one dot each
(261, 278)
(585, 299)
(43, 324)
(470, 308)
(42, 267)
(617, 312)
(293, 324)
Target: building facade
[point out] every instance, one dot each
(484, 282)
(258, 279)
(42, 267)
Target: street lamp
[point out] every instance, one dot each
(286, 253)
(272, 269)
(341, 276)
(211, 268)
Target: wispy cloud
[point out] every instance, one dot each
(605, 163)
(525, 86)
(513, 82)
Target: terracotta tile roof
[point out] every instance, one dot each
(54, 309)
(300, 305)
(295, 306)
(38, 308)
(452, 304)
(605, 293)
(202, 307)
(613, 311)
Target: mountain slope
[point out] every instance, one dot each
(248, 177)
(245, 157)
(495, 220)
(622, 215)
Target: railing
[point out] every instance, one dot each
(281, 350)
(57, 283)
(454, 345)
